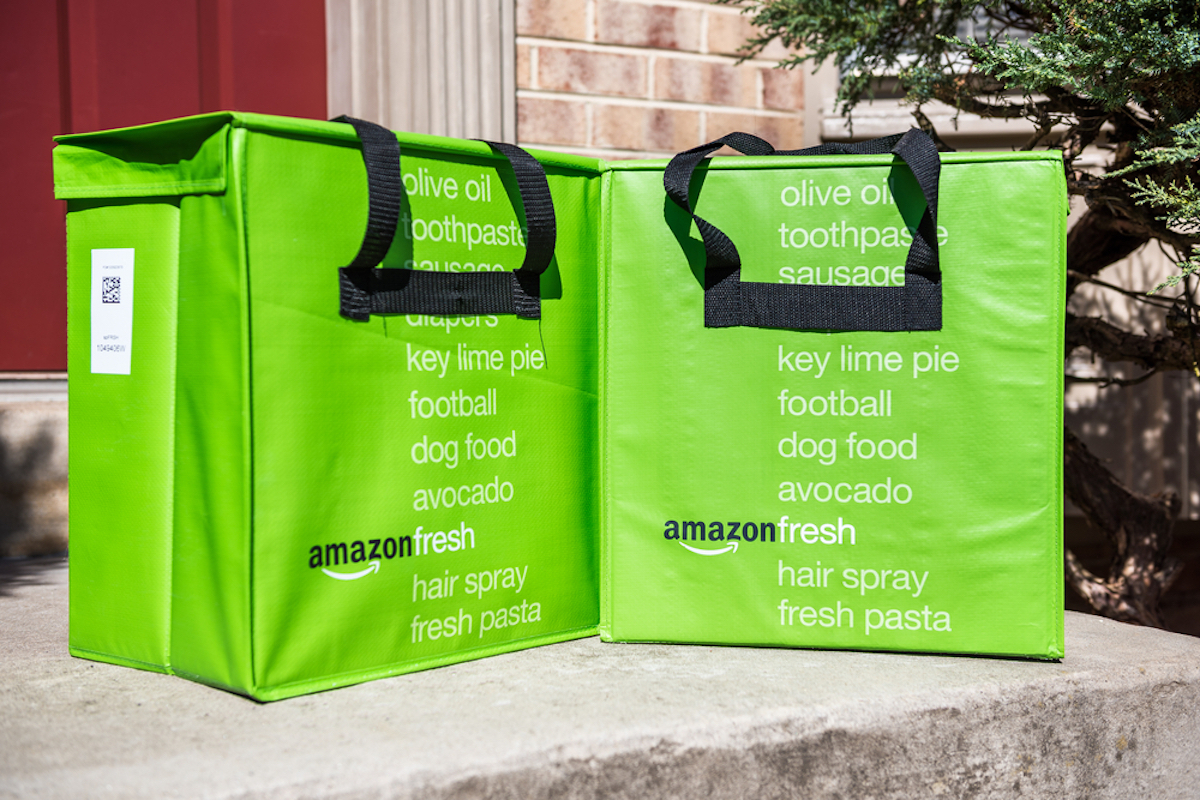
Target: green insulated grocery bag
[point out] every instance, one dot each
(294, 467)
(833, 418)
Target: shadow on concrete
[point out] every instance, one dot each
(18, 572)
(19, 466)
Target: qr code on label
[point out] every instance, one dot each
(110, 290)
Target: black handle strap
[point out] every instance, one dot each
(367, 290)
(728, 302)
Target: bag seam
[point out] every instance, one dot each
(606, 570)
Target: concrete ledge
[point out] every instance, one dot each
(1117, 719)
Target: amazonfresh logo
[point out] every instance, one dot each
(358, 559)
(717, 538)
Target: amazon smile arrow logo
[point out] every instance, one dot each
(732, 546)
(352, 576)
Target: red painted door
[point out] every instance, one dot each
(81, 65)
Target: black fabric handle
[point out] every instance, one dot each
(728, 302)
(367, 290)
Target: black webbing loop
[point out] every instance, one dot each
(728, 302)
(381, 154)
(537, 203)
(367, 290)
(677, 178)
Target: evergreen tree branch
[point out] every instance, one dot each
(1141, 297)
(1140, 529)
(1099, 238)
(1154, 351)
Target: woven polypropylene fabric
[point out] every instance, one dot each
(367, 291)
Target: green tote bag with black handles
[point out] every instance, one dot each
(287, 477)
(845, 431)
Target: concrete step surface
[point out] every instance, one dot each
(1118, 718)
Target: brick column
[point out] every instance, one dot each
(642, 78)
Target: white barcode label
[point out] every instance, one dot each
(112, 310)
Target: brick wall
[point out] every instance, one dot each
(635, 78)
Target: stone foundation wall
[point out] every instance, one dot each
(33, 478)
